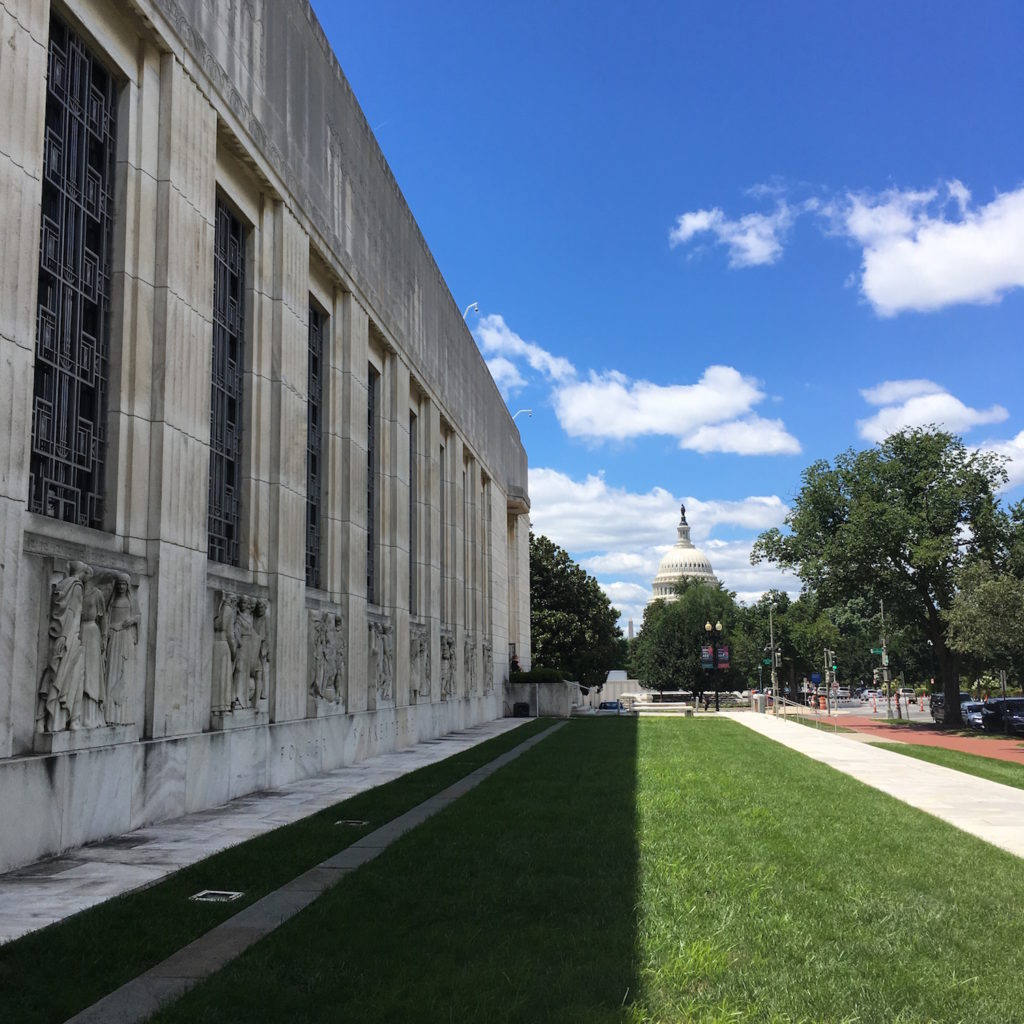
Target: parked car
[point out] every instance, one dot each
(843, 693)
(610, 705)
(970, 712)
(938, 701)
(993, 711)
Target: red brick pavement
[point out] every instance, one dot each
(931, 736)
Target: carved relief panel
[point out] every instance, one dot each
(327, 661)
(241, 655)
(90, 676)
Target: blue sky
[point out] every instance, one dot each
(712, 242)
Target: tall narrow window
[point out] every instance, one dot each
(314, 443)
(225, 516)
(443, 515)
(414, 518)
(467, 552)
(69, 406)
(372, 400)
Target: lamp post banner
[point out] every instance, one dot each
(723, 657)
(707, 659)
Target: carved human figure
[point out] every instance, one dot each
(320, 667)
(337, 660)
(122, 631)
(60, 687)
(246, 653)
(382, 652)
(93, 636)
(488, 648)
(261, 651)
(418, 654)
(469, 660)
(224, 653)
(447, 667)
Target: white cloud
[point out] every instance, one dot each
(917, 403)
(751, 435)
(711, 415)
(506, 375)
(890, 392)
(922, 249)
(1013, 449)
(917, 256)
(620, 536)
(752, 240)
(496, 338)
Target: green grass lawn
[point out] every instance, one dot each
(654, 870)
(51, 974)
(1009, 773)
(816, 723)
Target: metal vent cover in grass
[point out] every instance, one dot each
(216, 896)
(352, 822)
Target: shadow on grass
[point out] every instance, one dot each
(103, 947)
(516, 903)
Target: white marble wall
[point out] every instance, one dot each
(183, 137)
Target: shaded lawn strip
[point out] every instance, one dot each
(1009, 773)
(515, 903)
(101, 948)
(771, 890)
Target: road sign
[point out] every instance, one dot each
(877, 650)
(815, 677)
(885, 659)
(767, 661)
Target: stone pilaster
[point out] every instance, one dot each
(23, 29)
(178, 684)
(287, 372)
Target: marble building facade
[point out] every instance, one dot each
(263, 511)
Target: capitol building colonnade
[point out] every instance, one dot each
(262, 508)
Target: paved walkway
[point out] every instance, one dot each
(988, 810)
(925, 736)
(51, 890)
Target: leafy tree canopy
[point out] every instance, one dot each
(896, 522)
(573, 625)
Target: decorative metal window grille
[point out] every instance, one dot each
(372, 390)
(414, 520)
(69, 405)
(226, 386)
(314, 445)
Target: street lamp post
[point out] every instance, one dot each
(714, 636)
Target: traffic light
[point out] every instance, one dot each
(876, 676)
(778, 659)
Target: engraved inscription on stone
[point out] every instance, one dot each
(89, 677)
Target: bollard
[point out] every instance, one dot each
(874, 705)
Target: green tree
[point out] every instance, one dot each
(896, 522)
(666, 653)
(573, 626)
(986, 618)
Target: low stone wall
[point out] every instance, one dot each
(54, 803)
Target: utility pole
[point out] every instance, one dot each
(885, 665)
(771, 641)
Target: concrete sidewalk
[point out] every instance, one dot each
(51, 890)
(988, 810)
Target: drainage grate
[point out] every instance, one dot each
(216, 896)
(352, 822)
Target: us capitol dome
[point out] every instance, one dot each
(682, 560)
